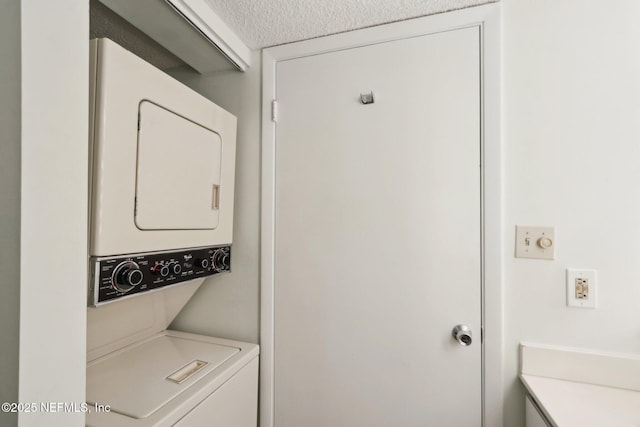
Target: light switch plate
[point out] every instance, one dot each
(582, 288)
(535, 242)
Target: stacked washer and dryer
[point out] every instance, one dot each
(162, 188)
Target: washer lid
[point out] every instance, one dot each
(178, 172)
(134, 382)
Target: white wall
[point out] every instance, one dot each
(9, 204)
(53, 222)
(228, 306)
(571, 152)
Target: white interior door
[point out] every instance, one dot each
(378, 235)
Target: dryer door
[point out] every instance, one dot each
(178, 172)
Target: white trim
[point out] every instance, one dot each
(492, 219)
(267, 242)
(488, 17)
(53, 62)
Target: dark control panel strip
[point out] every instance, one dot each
(118, 277)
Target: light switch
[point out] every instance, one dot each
(535, 242)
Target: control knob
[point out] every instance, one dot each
(161, 269)
(202, 263)
(220, 260)
(176, 268)
(126, 276)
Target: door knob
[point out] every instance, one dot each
(462, 334)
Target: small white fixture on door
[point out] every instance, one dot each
(535, 242)
(582, 288)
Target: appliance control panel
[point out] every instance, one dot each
(117, 277)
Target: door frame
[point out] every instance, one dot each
(487, 18)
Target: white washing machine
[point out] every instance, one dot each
(162, 183)
(140, 374)
(175, 379)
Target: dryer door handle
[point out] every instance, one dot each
(215, 202)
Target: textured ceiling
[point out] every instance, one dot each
(263, 23)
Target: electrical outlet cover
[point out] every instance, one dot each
(582, 288)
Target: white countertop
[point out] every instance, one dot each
(575, 404)
(582, 388)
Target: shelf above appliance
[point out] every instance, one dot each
(189, 29)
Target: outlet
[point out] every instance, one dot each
(581, 288)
